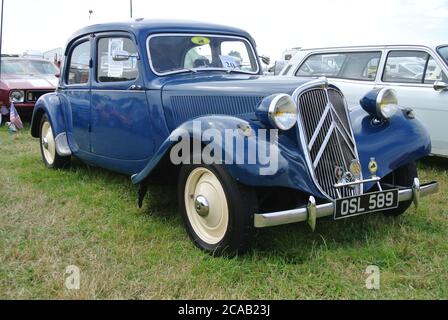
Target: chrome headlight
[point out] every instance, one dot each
(380, 103)
(17, 96)
(283, 112)
(386, 103)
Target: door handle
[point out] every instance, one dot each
(135, 87)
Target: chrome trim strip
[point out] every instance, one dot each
(200, 35)
(263, 220)
(324, 145)
(341, 185)
(340, 121)
(349, 144)
(319, 126)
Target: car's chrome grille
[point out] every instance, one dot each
(34, 95)
(328, 137)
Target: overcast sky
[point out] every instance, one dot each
(276, 25)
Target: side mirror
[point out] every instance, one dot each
(120, 55)
(440, 86)
(265, 59)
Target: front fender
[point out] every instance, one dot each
(288, 170)
(51, 105)
(392, 143)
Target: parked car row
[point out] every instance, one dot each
(417, 73)
(157, 100)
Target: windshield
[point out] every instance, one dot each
(28, 67)
(180, 53)
(443, 51)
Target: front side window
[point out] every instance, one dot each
(412, 67)
(443, 52)
(111, 69)
(405, 66)
(190, 53)
(78, 68)
(434, 72)
(353, 66)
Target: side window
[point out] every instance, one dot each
(434, 72)
(234, 54)
(322, 65)
(354, 65)
(405, 66)
(78, 69)
(115, 70)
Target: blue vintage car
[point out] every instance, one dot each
(186, 103)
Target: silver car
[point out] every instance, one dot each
(418, 73)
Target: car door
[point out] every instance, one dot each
(412, 73)
(76, 88)
(119, 108)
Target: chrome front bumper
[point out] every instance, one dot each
(312, 211)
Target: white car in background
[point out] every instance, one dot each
(418, 73)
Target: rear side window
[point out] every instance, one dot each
(351, 65)
(111, 69)
(78, 70)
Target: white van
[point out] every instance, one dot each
(418, 73)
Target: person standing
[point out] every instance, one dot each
(4, 112)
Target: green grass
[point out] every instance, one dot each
(88, 217)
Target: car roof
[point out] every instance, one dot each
(138, 26)
(431, 45)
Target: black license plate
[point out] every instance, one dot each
(366, 203)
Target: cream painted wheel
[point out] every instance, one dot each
(206, 205)
(48, 146)
(47, 142)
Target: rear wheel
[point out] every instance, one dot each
(217, 211)
(48, 146)
(402, 177)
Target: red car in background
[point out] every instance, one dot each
(24, 80)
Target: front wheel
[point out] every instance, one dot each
(217, 211)
(402, 177)
(48, 146)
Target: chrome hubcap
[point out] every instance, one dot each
(45, 143)
(201, 206)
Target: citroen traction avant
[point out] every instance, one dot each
(127, 91)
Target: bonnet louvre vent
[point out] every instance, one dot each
(184, 108)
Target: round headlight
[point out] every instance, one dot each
(17, 96)
(386, 103)
(283, 112)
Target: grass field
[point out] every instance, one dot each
(88, 217)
